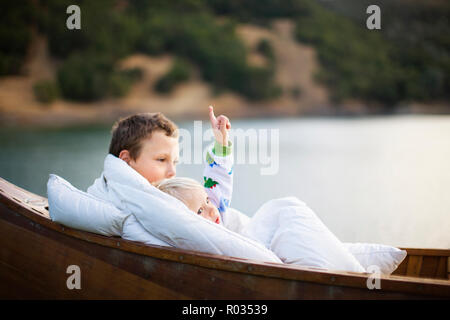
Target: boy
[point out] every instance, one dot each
(148, 143)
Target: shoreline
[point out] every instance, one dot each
(106, 117)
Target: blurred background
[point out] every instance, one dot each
(363, 115)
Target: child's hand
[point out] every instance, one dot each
(220, 126)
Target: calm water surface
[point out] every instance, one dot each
(384, 179)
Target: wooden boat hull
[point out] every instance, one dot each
(36, 252)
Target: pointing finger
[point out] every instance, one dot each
(212, 117)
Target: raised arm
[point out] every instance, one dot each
(218, 173)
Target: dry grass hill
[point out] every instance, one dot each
(295, 68)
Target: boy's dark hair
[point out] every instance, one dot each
(127, 133)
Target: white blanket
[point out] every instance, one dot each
(290, 229)
(282, 230)
(158, 218)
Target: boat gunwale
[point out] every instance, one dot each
(397, 283)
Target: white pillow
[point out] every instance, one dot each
(79, 210)
(292, 230)
(134, 231)
(385, 257)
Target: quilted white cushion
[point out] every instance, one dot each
(76, 209)
(386, 258)
(296, 235)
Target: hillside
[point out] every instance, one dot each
(295, 68)
(250, 58)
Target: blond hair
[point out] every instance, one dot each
(179, 187)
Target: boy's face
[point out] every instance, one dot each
(199, 203)
(158, 157)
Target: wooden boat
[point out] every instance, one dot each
(35, 254)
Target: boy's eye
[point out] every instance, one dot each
(161, 159)
(200, 211)
(207, 200)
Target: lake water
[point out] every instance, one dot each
(383, 179)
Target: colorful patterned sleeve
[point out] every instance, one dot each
(218, 175)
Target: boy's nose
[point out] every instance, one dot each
(171, 171)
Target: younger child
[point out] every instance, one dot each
(211, 200)
(192, 194)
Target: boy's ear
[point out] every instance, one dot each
(125, 156)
